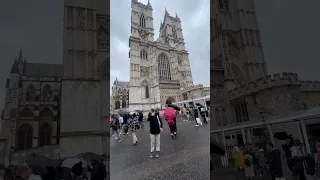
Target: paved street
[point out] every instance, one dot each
(182, 159)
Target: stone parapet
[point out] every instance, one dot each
(193, 87)
(276, 80)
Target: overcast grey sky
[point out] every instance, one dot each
(195, 21)
(290, 34)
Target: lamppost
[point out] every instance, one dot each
(266, 130)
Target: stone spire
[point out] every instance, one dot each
(177, 16)
(149, 5)
(166, 12)
(20, 58)
(15, 67)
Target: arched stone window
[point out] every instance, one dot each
(31, 93)
(164, 67)
(47, 93)
(117, 104)
(45, 134)
(142, 21)
(26, 113)
(179, 60)
(143, 54)
(46, 113)
(147, 91)
(25, 136)
(237, 75)
(174, 31)
(124, 103)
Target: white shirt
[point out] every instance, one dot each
(120, 120)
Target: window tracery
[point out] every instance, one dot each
(164, 67)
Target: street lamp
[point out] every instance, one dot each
(266, 131)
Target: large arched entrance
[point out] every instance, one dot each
(170, 100)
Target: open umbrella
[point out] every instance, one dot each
(91, 156)
(174, 107)
(70, 162)
(282, 135)
(198, 104)
(169, 113)
(42, 161)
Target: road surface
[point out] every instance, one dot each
(185, 158)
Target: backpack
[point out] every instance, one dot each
(247, 162)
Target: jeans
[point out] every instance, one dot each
(155, 140)
(115, 131)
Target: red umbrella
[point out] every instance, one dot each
(169, 113)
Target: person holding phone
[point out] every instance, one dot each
(156, 127)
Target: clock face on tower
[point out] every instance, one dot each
(144, 35)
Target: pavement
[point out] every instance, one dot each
(185, 158)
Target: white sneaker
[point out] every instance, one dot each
(197, 125)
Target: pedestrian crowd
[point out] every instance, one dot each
(266, 163)
(120, 126)
(94, 170)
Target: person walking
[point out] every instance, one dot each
(133, 125)
(120, 124)
(140, 118)
(261, 163)
(298, 160)
(239, 162)
(125, 125)
(115, 127)
(185, 114)
(203, 115)
(274, 161)
(195, 115)
(156, 127)
(248, 166)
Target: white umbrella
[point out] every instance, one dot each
(70, 162)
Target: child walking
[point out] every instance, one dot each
(155, 129)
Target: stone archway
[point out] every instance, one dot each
(170, 100)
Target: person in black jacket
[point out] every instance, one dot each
(155, 129)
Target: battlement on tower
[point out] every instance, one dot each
(276, 80)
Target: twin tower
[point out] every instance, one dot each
(159, 68)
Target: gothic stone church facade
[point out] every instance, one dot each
(241, 88)
(48, 110)
(159, 69)
(31, 115)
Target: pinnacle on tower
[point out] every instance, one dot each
(177, 15)
(20, 60)
(166, 12)
(149, 5)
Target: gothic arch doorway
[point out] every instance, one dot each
(170, 100)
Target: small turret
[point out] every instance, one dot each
(15, 67)
(166, 12)
(149, 5)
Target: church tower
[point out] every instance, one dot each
(236, 48)
(141, 42)
(85, 50)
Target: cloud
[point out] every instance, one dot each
(196, 30)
